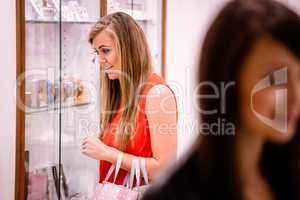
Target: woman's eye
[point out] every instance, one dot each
(105, 51)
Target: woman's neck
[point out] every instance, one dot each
(249, 148)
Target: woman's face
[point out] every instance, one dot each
(269, 87)
(109, 60)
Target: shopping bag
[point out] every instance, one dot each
(112, 191)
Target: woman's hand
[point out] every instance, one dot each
(93, 147)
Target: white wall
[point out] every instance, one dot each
(7, 102)
(187, 23)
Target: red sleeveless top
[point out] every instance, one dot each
(140, 144)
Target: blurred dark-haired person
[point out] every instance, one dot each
(253, 47)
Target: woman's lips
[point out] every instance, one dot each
(291, 118)
(288, 120)
(108, 68)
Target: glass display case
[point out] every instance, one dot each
(60, 95)
(57, 91)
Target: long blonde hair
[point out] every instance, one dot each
(135, 57)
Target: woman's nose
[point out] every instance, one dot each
(102, 60)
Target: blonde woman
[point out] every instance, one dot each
(138, 110)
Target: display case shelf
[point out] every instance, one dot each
(52, 108)
(74, 22)
(56, 22)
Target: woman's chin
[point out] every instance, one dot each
(112, 76)
(280, 137)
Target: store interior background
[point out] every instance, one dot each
(187, 22)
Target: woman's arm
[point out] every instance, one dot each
(162, 119)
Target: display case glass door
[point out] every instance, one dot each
(61, 103)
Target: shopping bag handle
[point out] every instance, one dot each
(137, 165)
(144, 170)
(115, 167)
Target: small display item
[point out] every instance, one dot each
(44, 184)
(44, 9)
(34, 89)
(37, 185)
(48, 10)
(82, 95)
(42, 92)
(28, 99)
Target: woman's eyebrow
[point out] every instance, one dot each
(101, 46)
